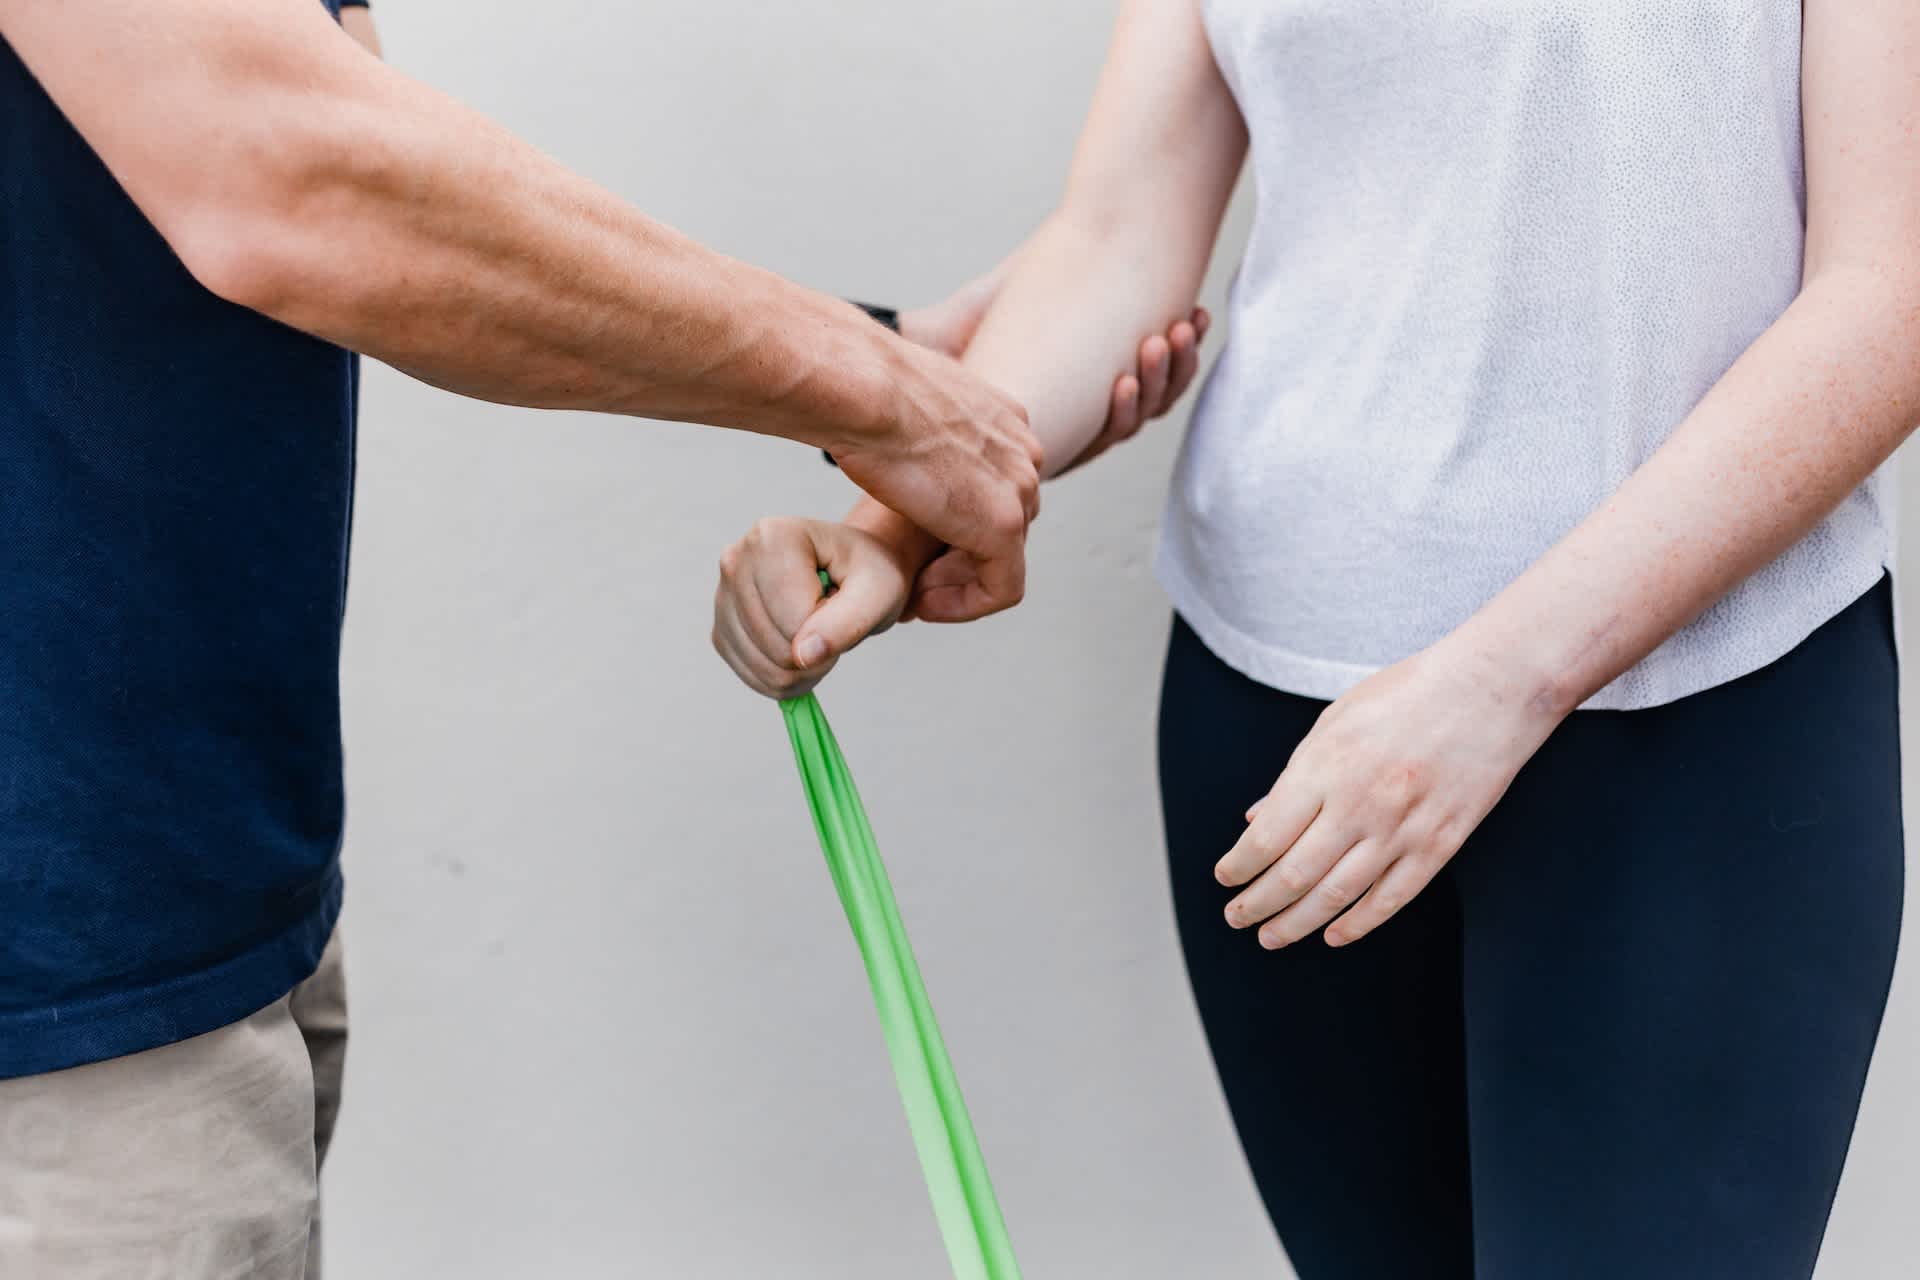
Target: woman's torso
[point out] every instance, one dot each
(1502, 248)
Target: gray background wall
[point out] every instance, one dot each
(608, 1022)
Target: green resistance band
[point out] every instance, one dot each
(963, 1200)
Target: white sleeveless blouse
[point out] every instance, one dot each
(1502, 249)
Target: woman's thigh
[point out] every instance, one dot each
(1343, 1069)
(1680, 926)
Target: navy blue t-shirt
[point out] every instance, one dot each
(175, 481)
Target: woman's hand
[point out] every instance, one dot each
(777, 627)
(1381, 793)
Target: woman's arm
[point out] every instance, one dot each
(1812, 408)
(1397, 773)
(1166, 364)
(1122, 255)
(1125, 251)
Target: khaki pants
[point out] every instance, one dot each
(196, 1161)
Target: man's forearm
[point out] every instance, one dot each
(446, 247)
(348, 201)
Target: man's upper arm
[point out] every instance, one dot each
(197, 107)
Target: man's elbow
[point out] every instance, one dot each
(270, 238)
(235, 258)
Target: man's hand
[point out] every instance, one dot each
(971, 583)
(963, 585)
(957, 587)
(734, 639)
(955, 457)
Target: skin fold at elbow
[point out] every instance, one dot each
(275, 238)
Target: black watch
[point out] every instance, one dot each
(888, 316)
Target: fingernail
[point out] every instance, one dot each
(810, 650)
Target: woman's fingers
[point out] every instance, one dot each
(1123, 416)
(1274, 823)
(1185, 341)
(1156, 358)
(1293, 875)
(1337, 888)
(1403, 880)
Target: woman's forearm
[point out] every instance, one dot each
(1806, 415)
(1065, 323)
(1068, 319)
(1127, 249)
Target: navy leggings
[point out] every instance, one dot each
(1624, 1034)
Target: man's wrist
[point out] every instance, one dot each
(887, 318)
(840, 388)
